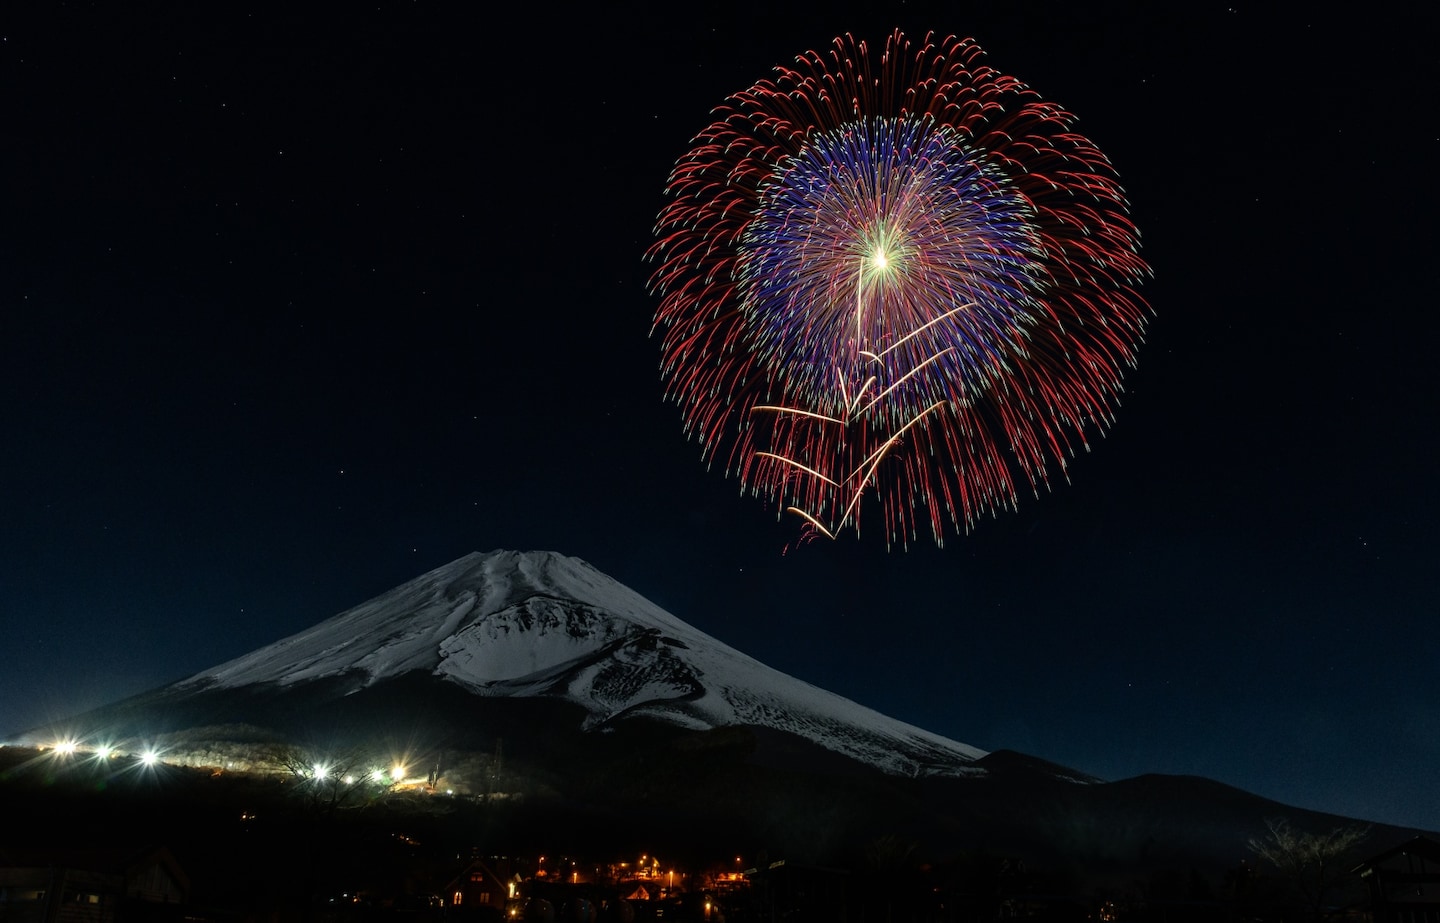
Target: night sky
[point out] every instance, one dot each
(293, 309)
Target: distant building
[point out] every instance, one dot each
(91, 886)
(1404, 882)
(799, 893)
(477, 892)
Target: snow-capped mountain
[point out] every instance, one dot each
(555, 701)
(543, 625)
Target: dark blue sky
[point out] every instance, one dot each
(294, 309)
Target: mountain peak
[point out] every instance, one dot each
(542, 624)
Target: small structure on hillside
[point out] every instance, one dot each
(478, 892)
(91, 886)
(804, 893)
(1404, 882)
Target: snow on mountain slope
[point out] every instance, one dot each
(542, 624)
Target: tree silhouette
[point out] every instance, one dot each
(1312, 864)
(327, 783)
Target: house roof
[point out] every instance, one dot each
(1418, 846)
(113, 861)
(475, 865)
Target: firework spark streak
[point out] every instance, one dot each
(902, 276)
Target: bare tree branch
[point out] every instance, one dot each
(1313, 863)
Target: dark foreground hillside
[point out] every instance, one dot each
(816, 842)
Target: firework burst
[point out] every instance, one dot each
(901, 277)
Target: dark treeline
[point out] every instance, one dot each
(263, 849)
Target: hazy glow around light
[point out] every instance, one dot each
(149, 757)
(397, 773)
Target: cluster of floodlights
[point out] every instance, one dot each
(68, 747)
(320, 772)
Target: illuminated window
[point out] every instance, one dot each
(457, 899)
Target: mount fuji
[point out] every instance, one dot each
(534, 677)
(542, 625)
(535, 629)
